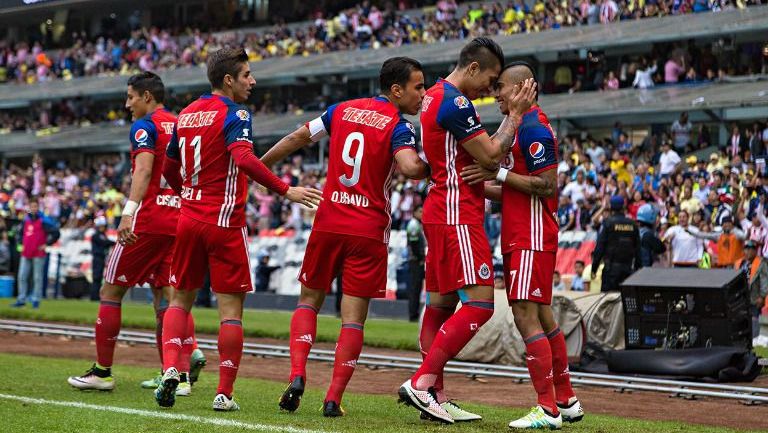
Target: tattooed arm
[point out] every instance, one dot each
(542, 185)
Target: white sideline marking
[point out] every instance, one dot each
(163, 415)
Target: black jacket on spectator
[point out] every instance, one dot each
(650, 246)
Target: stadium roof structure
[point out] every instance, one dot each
(365, 63)
(711, 102)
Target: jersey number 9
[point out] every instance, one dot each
(354, 161)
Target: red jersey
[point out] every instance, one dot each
(529, 222)
(448, 119)
(214, 190)
(365, 136)
(158, 211)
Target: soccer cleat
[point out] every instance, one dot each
(459, 414)
(223, 403)
(153, 383)
(196, 363)
(573, 412)
(35, 304)
(18, 304)
(95, 378)
(165, 394)
(537, 418)
(292, 395)
(184, 389)
(424, 401)
(332, 409)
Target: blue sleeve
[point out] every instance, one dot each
(143, 136)
(538, 146)
(403, 136)
(457, 115)
(327, 116)
(172, 150)
(237, 126)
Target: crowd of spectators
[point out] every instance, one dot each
(365, 26)
(722, 191)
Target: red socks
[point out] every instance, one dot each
(187, 345)
(303, 332)
(159, 315)
(451, 338)
(348, 349)
(107, 328)
(174, 334)
(434, 317)
(539, 358)
(230, 352)
(561, 375)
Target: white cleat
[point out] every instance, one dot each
(573, 412)
(223, 403)
(424, 401)
(537, 418)
(459, 414)
(94, 378)
(184, 389)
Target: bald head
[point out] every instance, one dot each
(516, 74)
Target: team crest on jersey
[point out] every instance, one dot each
(461, 101)
(243, 114)
(141, 135)
(410, 127)
(536, 150)
(484, 272)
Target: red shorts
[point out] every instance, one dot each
(361, 262)
(457, 256)
(146, 261)
(528, 275)
(203, 247)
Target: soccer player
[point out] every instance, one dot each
(351, 230)
(458, 255)
(528, 194)
(145, 235)
(209, 156)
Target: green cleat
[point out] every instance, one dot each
(196, 363)
(537, 418)
(152, 383)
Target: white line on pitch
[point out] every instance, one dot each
(163, 415)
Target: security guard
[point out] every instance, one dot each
(650, 244)
(100, 246)
(618, 244)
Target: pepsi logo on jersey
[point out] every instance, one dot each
(141, 135)
(537, 152)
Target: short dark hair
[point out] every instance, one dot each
(397, 70)
(222, 62)
(524, 64)
(580, 261)
(148, 82)
(485, 51)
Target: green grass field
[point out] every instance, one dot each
(131, 409)
(385, 333)
(393, 334)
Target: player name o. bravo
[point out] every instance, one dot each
(350, 199)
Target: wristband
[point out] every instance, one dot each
(130, 208)
(501, 176)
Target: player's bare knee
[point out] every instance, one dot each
(354, 309)
(481, 293)
(312, 297)
(112, 293)
(546, 318)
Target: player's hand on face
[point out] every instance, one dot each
(309, 197)
(476, 173)
(125, 234)
(520, 100)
